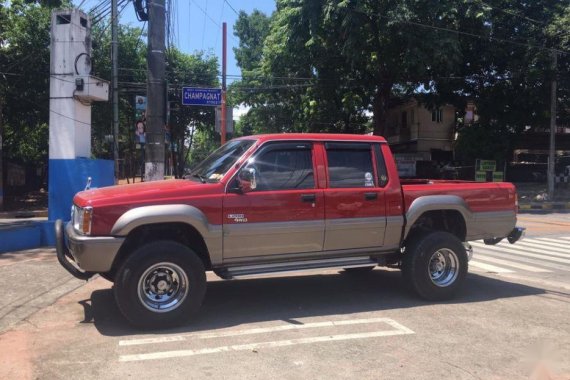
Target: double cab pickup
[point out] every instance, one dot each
(274, 203)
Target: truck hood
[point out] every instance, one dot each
(144, 192)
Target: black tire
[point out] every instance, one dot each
(358, 270)
(175, 268)
(436, 282)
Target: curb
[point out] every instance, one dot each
(23, 214)
(545, 206)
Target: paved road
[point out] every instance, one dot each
(510, 322)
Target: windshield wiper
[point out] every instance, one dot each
(202, 179)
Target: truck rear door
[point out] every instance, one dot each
(355, 212)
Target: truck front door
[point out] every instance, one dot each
(284, 214)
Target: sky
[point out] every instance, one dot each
(198, 24)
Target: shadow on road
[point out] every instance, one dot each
(232, 303)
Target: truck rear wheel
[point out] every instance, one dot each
(160, 285)
(435, 265)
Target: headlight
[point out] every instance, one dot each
(81, 218)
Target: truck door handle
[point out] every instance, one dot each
(370, 196)
(308, 197)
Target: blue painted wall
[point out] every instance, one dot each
(67, 177)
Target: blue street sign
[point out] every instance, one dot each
(193, 96)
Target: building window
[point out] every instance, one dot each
(412, 117)
(404, 119)
(437, 115)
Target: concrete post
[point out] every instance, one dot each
(72, 89)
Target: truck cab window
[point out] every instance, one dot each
(350, 166)
(284, 169)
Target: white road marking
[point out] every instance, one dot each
(553, 242)
(260, 345)
(489, 267)
(524, 253)
(547, 248)
(487, 253)
(512, 264)
(531, 248)
(260, 330)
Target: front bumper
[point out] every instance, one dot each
(83, 256)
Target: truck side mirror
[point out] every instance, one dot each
(247, 180)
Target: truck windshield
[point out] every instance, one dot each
(213, 168)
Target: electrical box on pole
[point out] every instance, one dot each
(229, 120)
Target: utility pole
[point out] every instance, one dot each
(552, 150)
(223, 118)
(1, 154)
(155, 112)
(114, 81)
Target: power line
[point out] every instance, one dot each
(232, 8)
(489, 38)
(80, 4)
(121, 2)
(221, 15)
(139, 39)
(512, 13)
(204, 27)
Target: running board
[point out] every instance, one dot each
(294, 266)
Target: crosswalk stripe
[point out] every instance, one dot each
(489, 267)
(513, 264)
(565, 237)
(554, 242)
(536, 262)
(546, 247)
(528, 251)
(529, 254)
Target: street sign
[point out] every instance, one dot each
(498, 177)
(480, 176)
(194, 96)
(487, 165)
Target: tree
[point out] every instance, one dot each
(187, 122)
(24, 81)
(132, 82)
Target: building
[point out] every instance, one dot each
(416, 131)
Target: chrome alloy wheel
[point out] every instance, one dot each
(163, 287)
(443, 267)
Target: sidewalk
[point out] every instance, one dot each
(40, 280)
(534, 197)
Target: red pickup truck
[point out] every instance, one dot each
(273, 203)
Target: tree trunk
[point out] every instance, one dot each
(379, 105)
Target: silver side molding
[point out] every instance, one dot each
(294, 266)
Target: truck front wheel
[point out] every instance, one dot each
(435, 265)
(161, 284)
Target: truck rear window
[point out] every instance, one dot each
(350, 166)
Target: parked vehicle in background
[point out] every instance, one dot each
(274, 203)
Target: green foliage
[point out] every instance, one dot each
(24, 85)
(191, 125)
(132, 82)
(24, 81)
(484, 142)
(324, 65)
